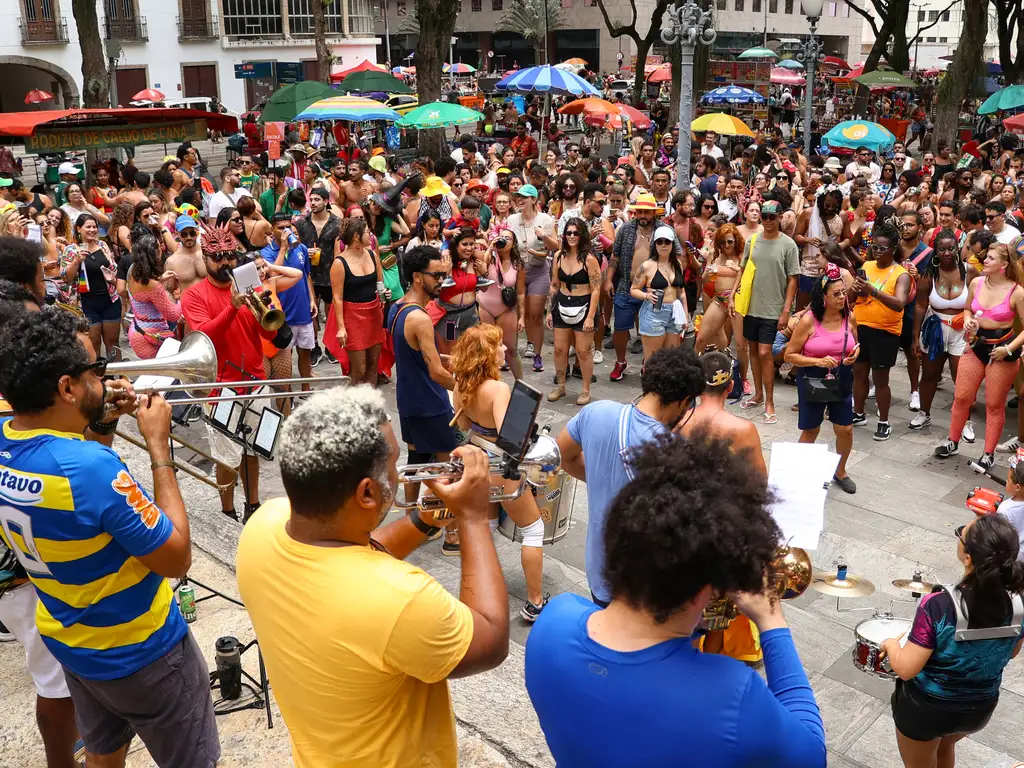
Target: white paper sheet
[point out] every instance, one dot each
(246, 277)
(799, 476)
(152, 381)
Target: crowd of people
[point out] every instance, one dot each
(439, 275)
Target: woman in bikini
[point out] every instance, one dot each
(719, 276)
(504, 302)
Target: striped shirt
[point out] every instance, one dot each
(78, 521)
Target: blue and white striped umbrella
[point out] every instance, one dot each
(732, 94)
(547, 79)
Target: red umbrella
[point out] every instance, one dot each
(785, 77)
(1014, 124)
(149, 94)
(363, 66)
(37, 96)
(835, 61)
(661, 75)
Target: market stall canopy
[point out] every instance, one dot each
(438, 114)
(758, 53)
(732, 94)
(722, 124)
(790, 64)
(852, 134)
(369, 81)
(1011, 97)
(55, 130)
(885, 78)
(785, 77)
(547, 79)
(351, 108)
(287, 102)
(606, 111)
(364, 66)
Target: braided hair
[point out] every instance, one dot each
(931, 267)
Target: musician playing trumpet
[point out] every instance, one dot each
(215, 307)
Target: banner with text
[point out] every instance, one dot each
(46, 140)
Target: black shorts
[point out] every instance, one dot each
(812, 414)
(760, 330)
(569, 302)
(429, 434)
(323, 293)
(878, 348)
(907, 336)
(921, 717)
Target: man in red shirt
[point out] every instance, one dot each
(524, 145)
(215, 307)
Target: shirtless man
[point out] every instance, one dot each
(187, 262)
(337, 180)
(354, 192)
(188, 170)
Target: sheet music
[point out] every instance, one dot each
(799, 476)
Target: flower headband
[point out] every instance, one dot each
(831, 274)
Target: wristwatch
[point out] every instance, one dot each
(429, 530)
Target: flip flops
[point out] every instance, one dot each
(771, 418)
(748, 404)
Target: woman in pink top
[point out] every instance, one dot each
(824, 346)
(505, 269)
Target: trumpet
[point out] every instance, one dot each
(536, 469)
(270, 318)
(789, 576)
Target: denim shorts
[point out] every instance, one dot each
(657, 322)
(107, 313)
(780, 343)
(626, 309)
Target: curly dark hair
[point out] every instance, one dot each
(417, 260)
(560, 183)
(11, 291)
(818, 291)
(11, 309)
(19, 260)
(931, 266)
(583, 243)
(146, 262)
(36, 350)
(674, 374)
(695, 514)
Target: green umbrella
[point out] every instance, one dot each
(1011, 97)
(882, 78)
(758, 53)
(373, 82)
(438, 114)
(289, 101)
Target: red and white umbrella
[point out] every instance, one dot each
(37, 96)
(662, 74)
(786, 77)
(149, 94)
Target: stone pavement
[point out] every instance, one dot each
(900, 520)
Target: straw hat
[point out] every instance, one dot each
(644, 202)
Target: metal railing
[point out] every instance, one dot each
(131, 30)
(197, 29)
(43, 32)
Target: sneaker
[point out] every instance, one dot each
(618, 372)
(915, 401)
(315, 356)
(921, 420)
(968, 433)
(5, 635)
(530, 611)
(748, 387)
(636, 346)
(578, 374)
(947, 448)
(1010, 446)
(882, 431)
(846, 483)
(557, 393)
(987, 460)
(330, 358)
(859, 418)
(484, 282)
(450, 548)
(528, 352)
(871, 392)
(598, 357)
(583, 399)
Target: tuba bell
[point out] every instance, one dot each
(789, 576)
(195, 362)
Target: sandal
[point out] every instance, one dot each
(747, 404)
(771, 418)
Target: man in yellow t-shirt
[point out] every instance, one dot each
(358, 644)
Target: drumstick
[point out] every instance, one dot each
(455, 418)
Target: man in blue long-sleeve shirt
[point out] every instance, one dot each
(624, 686)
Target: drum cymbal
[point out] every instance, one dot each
(914, 585)
(851, 586)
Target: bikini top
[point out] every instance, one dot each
(659, 282)
(940, 302)
(579, 277)
(1001, 312)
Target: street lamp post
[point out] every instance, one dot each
(688, 26)
(810, 53)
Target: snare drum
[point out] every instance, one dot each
(555, 501)
(869, 636)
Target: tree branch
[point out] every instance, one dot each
(618, 30)
(938, 18)
(654, 32)
(870, 18)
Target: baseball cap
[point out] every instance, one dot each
(771, 207)
(503, 169)
(663, 233)
(67, 169)
(4, 182)
(527, 190)
(185, 222)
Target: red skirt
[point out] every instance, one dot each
(364, 322)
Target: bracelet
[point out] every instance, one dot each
(157, 464)
(104, 427)
(414, 518)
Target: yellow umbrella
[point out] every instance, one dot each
(721, 123)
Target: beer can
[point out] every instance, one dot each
(659, 299)
(293, 239)
(187, 603)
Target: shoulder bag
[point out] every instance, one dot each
(508, 293)
(742, 296)
(825, 389)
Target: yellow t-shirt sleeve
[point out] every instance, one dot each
(431, 635)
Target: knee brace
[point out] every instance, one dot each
(493, 524)
(533, 534)
(419, 457)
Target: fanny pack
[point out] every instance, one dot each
(825, 389)
(388, 261)
(983, 346)
(508, 294)
(573, 315)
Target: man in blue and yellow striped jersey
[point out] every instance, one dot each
(99, 550)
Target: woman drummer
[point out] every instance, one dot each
(481, 400)
(720, 275)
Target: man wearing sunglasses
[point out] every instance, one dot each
(995, 222)
(863, 162)
(187, 262)
(100, 550)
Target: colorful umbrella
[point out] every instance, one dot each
(835, 61)
(149, 94)
(884, 78)
(546, 79)
(37, 96)
(285, 103)
(1014, 124)
(459, 69)
(722, 124)
(758, 53)
(438, 114)
(732, 94)
(662, 74)
(576, 61)
(1011, 97)
(373, 82)
(363, 66)
(785, 77)
(352, 108)
(852, 134)
(599, 111)
(790, 64)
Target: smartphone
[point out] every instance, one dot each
(450, 330)
(521, 415)
(197, 182)
(862, 274)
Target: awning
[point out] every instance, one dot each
(26, 123)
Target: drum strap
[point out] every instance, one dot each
(963, 634)
(625, 420)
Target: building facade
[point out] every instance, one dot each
(746, 24)
(183, 48)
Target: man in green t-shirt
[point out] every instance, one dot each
(68, 173)
(277, 187)
(250, 178)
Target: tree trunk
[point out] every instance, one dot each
(323, 53)
(860, 106)
(675, 57)
(643, 46)
(967, 66)
(437, 22)
(899, 18)
(96, 93)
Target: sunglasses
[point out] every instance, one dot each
(730, 241)
(572, 233)
(436, 275)
(663, 242)
(959, 531)
(993, 216)
(708, 207)
(99, 368)
(782, 178)
(223, 256)
(234, 219)
(879, 248)
(189, 233)
(769, 216)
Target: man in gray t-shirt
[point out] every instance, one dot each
(777, 262)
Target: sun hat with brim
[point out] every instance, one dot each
(434, 187)
(663, 233)
(67, 169)
(527, 190)
(834, 162)
(644, 202)
(297, 148)
(379, 164)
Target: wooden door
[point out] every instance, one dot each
(129, 82)
(40, 22)
(199, 80)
